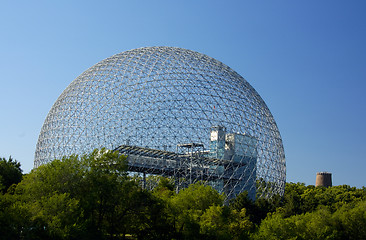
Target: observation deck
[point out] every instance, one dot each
(171, 164)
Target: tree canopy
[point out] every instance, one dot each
(10, 173)
(94, 197)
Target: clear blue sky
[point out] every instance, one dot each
(307, 59)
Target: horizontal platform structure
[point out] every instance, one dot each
(188, 168)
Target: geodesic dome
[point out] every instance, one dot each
(175, 113)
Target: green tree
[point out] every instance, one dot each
(76, 197)
(347, 222)
(189, 205)
(10, 173)
(214, 223)
(91, 197)
(256, 210)
(16, 221)
(220, 222)
(315, 225)
(351, 219)
(299, 199)
(292, 202)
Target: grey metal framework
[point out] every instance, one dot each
(175, 113)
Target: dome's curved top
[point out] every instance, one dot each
(158, 98)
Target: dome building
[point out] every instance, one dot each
(175, 113)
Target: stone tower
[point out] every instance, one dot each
(323, 179)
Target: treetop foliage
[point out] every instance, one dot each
(94, 197)
(10, 173)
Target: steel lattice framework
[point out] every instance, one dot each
(174, 112)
